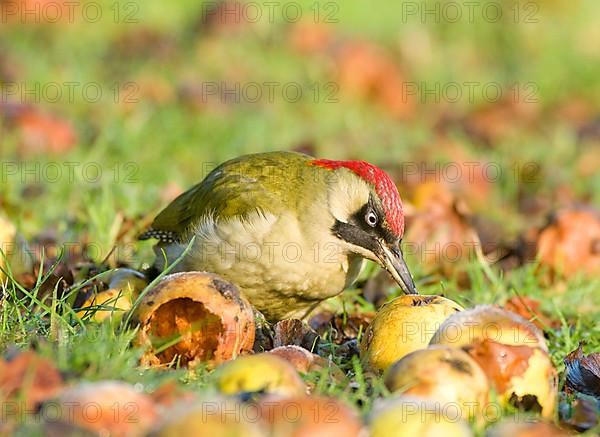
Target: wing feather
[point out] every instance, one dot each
(237, 188)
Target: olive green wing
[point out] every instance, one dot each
(237, 188)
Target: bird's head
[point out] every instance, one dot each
(369, 220)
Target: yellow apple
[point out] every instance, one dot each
(401, 326)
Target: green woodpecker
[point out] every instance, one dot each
(288, 229)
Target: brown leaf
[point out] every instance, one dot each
(583, 372)
(30, 378)
(377, 288)
(39, 132)
(345, 327)
(499, 121)
(170, 393)
(308, 37)
(225, 17)
(367, 71)
(306, 362)
(529, 309)
(37, 11)
(144, 42)
(294, 332)
(440, 233)
(581, 414)
(570, 243)
(119, 410)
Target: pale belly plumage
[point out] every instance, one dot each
(281, 268)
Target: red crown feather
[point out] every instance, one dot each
(384, 187)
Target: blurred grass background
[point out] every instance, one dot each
(168, 51)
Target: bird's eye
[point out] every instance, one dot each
(371, 218)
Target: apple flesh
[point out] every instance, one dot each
(191, 318)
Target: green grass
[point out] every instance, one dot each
(143, 146)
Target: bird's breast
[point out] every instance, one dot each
(276, 261)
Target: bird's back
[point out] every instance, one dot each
(264, 182)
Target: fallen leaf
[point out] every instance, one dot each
(570, 243)
(309, 37)
(306, 362)
(529, 309)
(30, 378)
(225, 16)
(37, 11)
(583, 372)
(343, 327)
(440, 234)
(110, 408)
(499, 121)
(39, 132)
(366, 71)
(294, 332)
(169, 394)
(580, 414)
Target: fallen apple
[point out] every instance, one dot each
(509, 428)
(448, 375)
(15, 257)
(306, 362)
(570, 244)
(487, 322)
(262, 373)
(193, 317)
(101, 408)
(415, 416)
(401, 326)
(124, 285)
(511, 351)
(215, 417)
(308, 416)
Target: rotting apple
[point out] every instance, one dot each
(488, 322)
(215, 417)
(124, 285)
(510, 350)
(448, 375)
(401, 326)
(509, 428)
(193, 317)
(416, 416)
(262, 373)
(101, 408)
(306, 362)
(14, 253)
(308, 416)
(522, 376)
(570, 243)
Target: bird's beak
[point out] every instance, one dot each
(393, 261)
